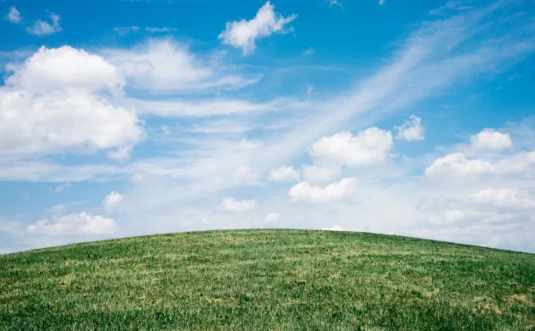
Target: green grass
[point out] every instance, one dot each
(267, 279)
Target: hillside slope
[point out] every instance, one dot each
(267, 279)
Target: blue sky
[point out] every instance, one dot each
(122, 118)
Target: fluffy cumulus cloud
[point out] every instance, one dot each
(306, 192)
(65, 67)
(83, 224)
(43, 28)
(368, 147)
(284, 174)
(237, 206)
(490, 139)
(457, 164)
(52, 103)
(112, 201)
(411, 130)
(492, 202)
(13, 16)
(71, 120)
(244, 33)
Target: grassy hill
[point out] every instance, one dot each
(267, 279)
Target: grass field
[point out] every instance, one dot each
(267, 279)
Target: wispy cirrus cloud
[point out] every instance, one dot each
(164, 66)
(214, 107)
(126, 30)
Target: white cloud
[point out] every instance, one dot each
(64, 120)
(511, 198)
(411, 130)
(13, 16)
(179, 108)
(42, 28)
(449, 8)
(112, 201)
(304, 191)
(284, 174)
(213, 107)
(245, 175)
(73, 224)
(57, 209)
(454, 215)
(456, 164)
(65, 67)
(309, 51)
(489, 216)
(166, 66)
(243, 34)
(218, 127)
(237, 206)
(335, 3)
(320, 173)
(467, 216)
(121, 153)
(490, 139)
(123, 31)
(510, 236)
(381, 2)
(62, 187)
(163, 29)
(368, 147)
(137, 178)
(429, 63)
(272, 217)
(51, 104)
